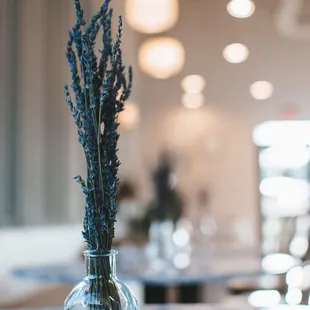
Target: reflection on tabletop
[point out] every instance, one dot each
(196, 307)
(140, 264)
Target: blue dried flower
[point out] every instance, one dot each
(96, 85)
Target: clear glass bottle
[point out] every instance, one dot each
(100, 288)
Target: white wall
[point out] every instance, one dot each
(213, 145)
(37, 246)
(229, 171)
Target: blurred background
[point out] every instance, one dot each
(214, 196)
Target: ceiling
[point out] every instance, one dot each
(205, 28)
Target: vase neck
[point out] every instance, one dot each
(100, 264)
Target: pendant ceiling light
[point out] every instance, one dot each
(236, 53)
(261, 90)
(152, 16)
(161, 57)
(193, 84)
(193, 101)
(241, 8)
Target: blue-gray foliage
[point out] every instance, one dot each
(100, 86)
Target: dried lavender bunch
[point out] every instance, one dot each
(100, 87)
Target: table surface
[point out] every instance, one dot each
(132, 265)
(171, 307)
(156, 307)
(200, 307)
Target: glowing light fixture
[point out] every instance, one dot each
(241, 8)
(299, 246)
(193, 84)
(180, 237)
(152, 16)
(282, 133)
(306, 276)
(181, 260)
(193, 101)
(294, 277)
(161, 57)
(264, 298)
(261, 90)
(293, 296)
(284, 206)
(283, 157)
(130, 117)
(277, 263)
(286, 190)
(236, 53)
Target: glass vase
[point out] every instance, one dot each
(100, 288)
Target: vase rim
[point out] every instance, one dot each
(100, 253)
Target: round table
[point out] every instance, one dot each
(158, 277)
(133, 265)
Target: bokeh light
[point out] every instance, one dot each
(285, 189)
(293, 296)
(130, 117)
(161, 57)
(282, 133)
(152, 16)
(180, 237)
(278, 263)
(181, 260)
(193, 84)
(264, 298)
(193, 101)
(294, 277)
(241, 8)
(284, 157)
(299, 246)
(261, 90)
(236, 53)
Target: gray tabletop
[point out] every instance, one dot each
(134, 267)
(200, 307)
(172, 307)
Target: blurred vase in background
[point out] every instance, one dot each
(205, 224)
(183, 243)
(160, 240)
(164, 212)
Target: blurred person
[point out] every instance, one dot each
(167, 204)
(167, 200)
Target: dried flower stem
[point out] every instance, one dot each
(98, 100)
